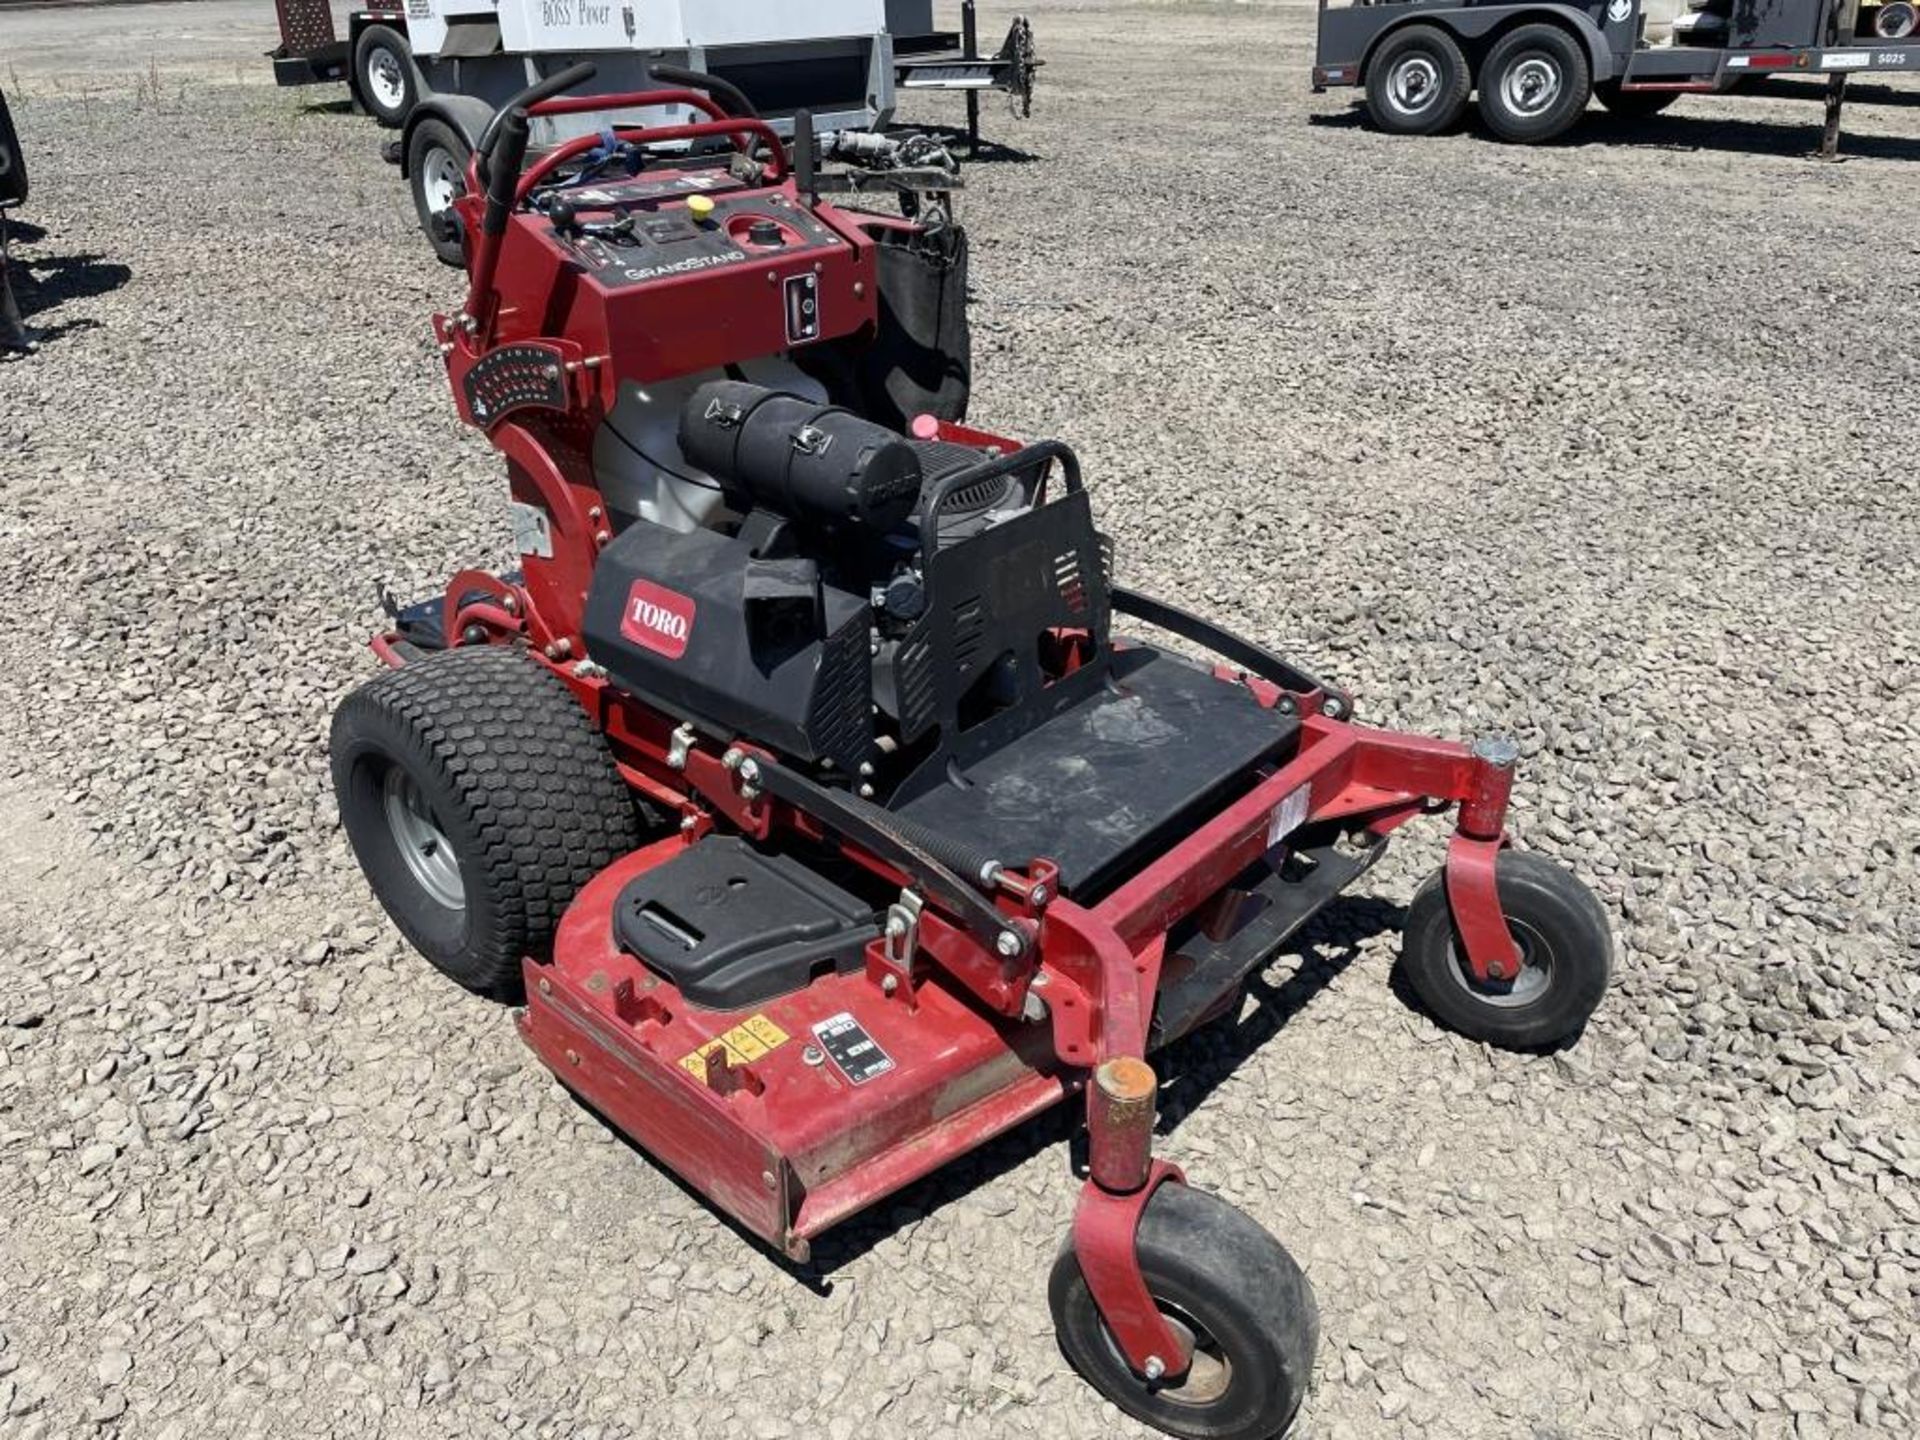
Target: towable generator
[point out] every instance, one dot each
(803, 783)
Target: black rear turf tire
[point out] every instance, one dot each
(1634, 104)
(432, 139)
(1210, 1265)
(384, 75)
(1541, 53)
(1566, 950)
(509, 773)
(1418, 81)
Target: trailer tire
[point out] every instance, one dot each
(437, 156)
(384, 75)
(1634, 104)
(478, 800)
(1418, 81)
(1534, 84)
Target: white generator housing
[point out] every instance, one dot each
(832, 57)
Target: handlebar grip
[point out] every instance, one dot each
(553, 85)
(731, 95)
(503, 170)
(505, 141)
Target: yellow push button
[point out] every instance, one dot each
(700, 206)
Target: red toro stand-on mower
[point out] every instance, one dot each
(801, 783)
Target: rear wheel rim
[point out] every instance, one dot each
(1531, 85)
(421, 840)
(1413, 84)
(386, 81)
(440, 181)
(1526, 988)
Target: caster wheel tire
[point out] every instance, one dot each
(1534, 84)
(1566, 957)
(1634, 104)
(437, 172)
(384, 74)
(1234, 1289)
(1417, 82)
(478, 800)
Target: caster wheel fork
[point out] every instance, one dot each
(1182, 1311)
(1503, 946)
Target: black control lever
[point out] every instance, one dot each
(803, 155)
(504, 142)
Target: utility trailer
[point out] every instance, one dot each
(842, 60)
(1535, 65)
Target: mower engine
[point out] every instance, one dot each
(801, 785)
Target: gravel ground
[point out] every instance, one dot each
(1608, 444)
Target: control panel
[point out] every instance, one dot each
(676, 271)
(657, 229)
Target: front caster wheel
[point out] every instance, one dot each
(1566, 957)
(1221, 1279)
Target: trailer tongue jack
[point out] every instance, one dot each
(803, 782)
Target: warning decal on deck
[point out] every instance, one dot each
(744, 1043)
(856, 1054)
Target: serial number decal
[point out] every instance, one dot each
(855, 1054)
(532, 531)
(1288, 816)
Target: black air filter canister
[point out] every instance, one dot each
(809, 462)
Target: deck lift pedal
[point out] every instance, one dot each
(803, 785)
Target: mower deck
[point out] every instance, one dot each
(775, 1112)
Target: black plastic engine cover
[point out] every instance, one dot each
(765, 650)
(732, 926)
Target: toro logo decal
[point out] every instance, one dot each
(657, 619)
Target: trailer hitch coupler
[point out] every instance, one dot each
(1120, 1113)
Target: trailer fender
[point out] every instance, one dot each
(1474, 24)
(469, 118)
